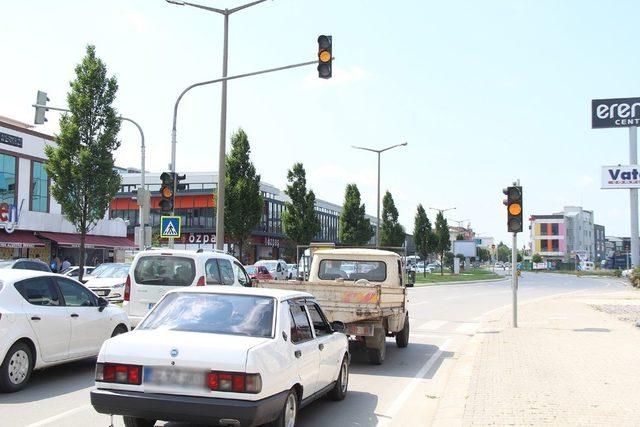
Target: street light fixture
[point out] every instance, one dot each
(378, 201)
(223, 114)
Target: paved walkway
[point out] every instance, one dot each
(566, 364)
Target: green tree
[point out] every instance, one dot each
(447, 261)
(81, 165)
(504, 253)
(536, 258)
(299, 219)
(391, 231)
(423, 237)
(459, 237)
(442, 237)
(243, 202)
(484, 255)
(355, 227)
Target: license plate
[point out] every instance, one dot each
(102, 293)
(151, 304)
(360, 330)
(175, 378)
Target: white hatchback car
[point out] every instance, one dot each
(157, 271)
(223, 356)
(48, 319)
(277, 268)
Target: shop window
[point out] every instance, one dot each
(7, 179)
(39, 187)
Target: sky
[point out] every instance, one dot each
(483, 92)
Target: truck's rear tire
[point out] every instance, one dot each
(377, 355)
(402, 337)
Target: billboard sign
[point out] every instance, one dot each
(615, 113)
(620, 177)
(465, 247)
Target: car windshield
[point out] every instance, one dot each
(250, 269)
(6, 264)
(373, 271)
(213, 313)
(165, 270)
(116, 271)
(99, 269)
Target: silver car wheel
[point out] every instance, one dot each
(290, 410)
(344, 376)
(18, 367)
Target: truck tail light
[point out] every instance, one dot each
(234, 382)
(127, 289)
(119, 373)
(200, 281)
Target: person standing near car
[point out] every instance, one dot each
(65, 264)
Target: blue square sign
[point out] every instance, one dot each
(170, 226)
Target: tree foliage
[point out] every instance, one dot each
(355, 227)
(442, 237)
(484, 254)
(81, 164)
(243, 202)
(391, 231)
(423, 236)
(536, 258)
(504, 253)
(299, 219)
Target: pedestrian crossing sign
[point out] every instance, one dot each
(170, 226)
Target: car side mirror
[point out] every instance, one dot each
(338, 326)
(102, 303)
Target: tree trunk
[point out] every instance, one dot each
(241, 244)
(442, 263)
(83, 234)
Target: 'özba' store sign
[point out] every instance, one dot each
(615, 113)
(8, 217)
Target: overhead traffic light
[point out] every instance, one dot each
(41, 109)
(166, 191)
(325, 57)
(514, 208)
(178, 178)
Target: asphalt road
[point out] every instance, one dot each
(403, 391)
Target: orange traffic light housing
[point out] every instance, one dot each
(167, 191)
(325, 56)
(514, 208)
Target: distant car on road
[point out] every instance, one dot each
(74, 271)
(47, 319)
(293, 271)
(278, 268)
(223, 356)
(258, 272)
(110, 282)
(25, 264)
(97, 271)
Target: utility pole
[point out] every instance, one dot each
(633, 199)
(378, 152)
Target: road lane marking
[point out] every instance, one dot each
(415, 381)
(60, 416)
(432, 325)
(468, 328)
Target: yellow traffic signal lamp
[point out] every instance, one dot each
(167, 191)
(514, 208)
(325, 56)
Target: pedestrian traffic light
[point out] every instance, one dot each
(180, 187)
(325, 57)
(514, 208)
(41, 109)
(166, 191)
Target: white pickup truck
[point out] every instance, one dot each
(363, 288)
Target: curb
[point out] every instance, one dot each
(461, 282)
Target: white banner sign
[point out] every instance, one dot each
(620, 176)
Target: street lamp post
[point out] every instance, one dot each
(223, 113)
(378, 201)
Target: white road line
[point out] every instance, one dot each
(415, 381)
(59, 416)
(432, 325)
(468, 328)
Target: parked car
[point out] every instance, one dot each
(223, 356)
(97, 271)
(156, 271)
(47, 319)
(258, 272)
(74, 271)
(110, 282)
(277, 267)
(293, 271)
(499, 264)
(25, 264)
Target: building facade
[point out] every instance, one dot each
(579, 232)
(31, 221)
(548, 236)
(599, 239)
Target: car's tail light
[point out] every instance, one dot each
(127, 288)
(234, 382)
(119, 373)
(200, 281)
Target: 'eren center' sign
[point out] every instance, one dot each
(615, 113)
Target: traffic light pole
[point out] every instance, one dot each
(514, 278)
(633, 198)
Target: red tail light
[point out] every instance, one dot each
(234, 382)
(200, 281)
(127, 289)
(119, 373)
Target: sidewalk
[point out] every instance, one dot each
(566, 364)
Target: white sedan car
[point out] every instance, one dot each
(110, 283)
(47, 319)
(223, 356)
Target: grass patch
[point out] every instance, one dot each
(466, 276)
(600, 273)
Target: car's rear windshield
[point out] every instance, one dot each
(373, 271)
(213, 313)
(165, 270)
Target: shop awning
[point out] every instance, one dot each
(19, 239)
(91, 241)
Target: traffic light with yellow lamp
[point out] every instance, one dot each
(325, 56)
(166, 191)
(514, 208)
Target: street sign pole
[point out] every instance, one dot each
(514, 278)
(633, 199)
